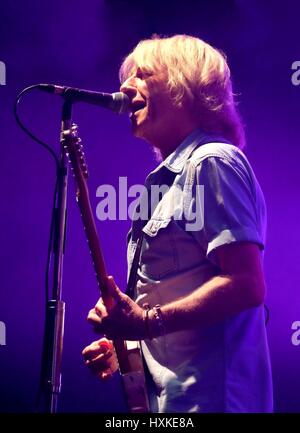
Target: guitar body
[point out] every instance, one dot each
(134, 380)
(128, 353)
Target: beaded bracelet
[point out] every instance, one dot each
(146, 308)
(159, 320)
(158, 323)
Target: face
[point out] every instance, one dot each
(152, 116)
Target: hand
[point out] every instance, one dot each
(122, 319)
(101, 358)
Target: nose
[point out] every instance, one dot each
(129, 87)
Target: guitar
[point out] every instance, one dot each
(128, 353)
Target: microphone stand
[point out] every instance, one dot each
(55, 310)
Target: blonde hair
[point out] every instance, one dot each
(198, 75)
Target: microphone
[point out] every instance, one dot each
(118, 101)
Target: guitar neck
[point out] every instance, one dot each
(92, 239)
(130, 361)
(100, 268)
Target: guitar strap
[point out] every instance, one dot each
(132, 280)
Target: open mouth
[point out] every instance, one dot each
(137, 106)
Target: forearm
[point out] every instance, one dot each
(216, 300)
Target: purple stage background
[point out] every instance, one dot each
(81, 44)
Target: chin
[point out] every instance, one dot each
(138, 131)
(141, 128)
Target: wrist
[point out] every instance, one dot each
(154, 322)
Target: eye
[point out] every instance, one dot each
(143, 73)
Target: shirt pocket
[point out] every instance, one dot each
(159, 256)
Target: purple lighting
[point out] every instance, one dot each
(84, 49)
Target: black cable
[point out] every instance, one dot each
(30, 134)
(267, 314)
(47, 271)
(50, 243)
(51, 233)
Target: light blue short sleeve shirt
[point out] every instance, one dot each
(213, 198)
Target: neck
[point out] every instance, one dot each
(168, 143)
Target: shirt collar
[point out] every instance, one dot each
(177, 159)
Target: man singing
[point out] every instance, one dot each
(200, 267)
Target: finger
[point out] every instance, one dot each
(93, 350)
(98, 360)
(103, 365)
(98, 346)
(91, 346)
(100, 308)
(104, 375)
(91, 311)
(113, 289)
(93, 314)
(93, 318)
